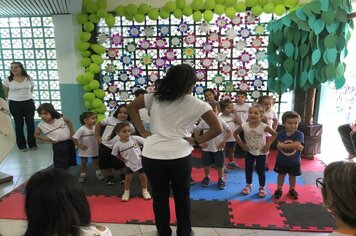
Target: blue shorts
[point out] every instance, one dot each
(231, 144)
(210, 158)
(293, 170)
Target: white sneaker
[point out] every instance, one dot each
(125, 197)
(146, 195)
(100, 176)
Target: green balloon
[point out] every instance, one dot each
(89, 96)
(120, 10)
(129, 17)
(94, 68)
(181, 4)
(219, 9)
(100, 117)
(85, 61)
(85, 36)
(163, 14)
(87, 88)
(139, 18)
(178, 13)
(230, 12)
(94, 18)
(99, 93)
(97, 59)
(197, 5)
(83, 46)
(170, 6)
(279, 10)
(131, 9)
(209, 4)
(290, 3)
(257, 10)
(263, 2)
(80, 79)
(277, 2)
(92, 7)
(240, 7)
(82, 18)
(97, 102)
(230, 3)
(98, 48)
(88, 26)
(187, 11)
(85, 53)
(110, 20)
(153, 14)
(219, 1)
(101, 4)
(197, 16)
(251, 3)
(88, 76)
(101, 109)
(268, 8)
(88, 104)
(144, 8)
(208, 15)
(94, 84)
(102, 13)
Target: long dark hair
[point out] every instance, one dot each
(23, 71)
(118, 109)
(55, 204)
(48, 107)
(117, 129)
(177, 82)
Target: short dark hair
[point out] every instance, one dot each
(139, 92)
(241, 92)
(23, 71)
(290, 115)
(177, 82)
(117, 129)
(215, 105)
(212, 91)
(48, 107)
(86, 115)
(55, 204)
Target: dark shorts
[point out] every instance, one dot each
(64, 154)
(294, 170)
(231, 144)
(210, 158)
(128, 171)
(90, 157)
(108, 161)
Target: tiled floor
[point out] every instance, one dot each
(23, 164)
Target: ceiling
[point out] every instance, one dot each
(36, 7)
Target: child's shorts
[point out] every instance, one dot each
(210, 158)
(294, 170)
(107, 160)
(231, 144)
(96, 157)
(128, 171)
(64, 154)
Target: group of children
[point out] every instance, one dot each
(253, 128)
(111, 145)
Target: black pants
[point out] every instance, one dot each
(348, 140)
(165, 173)
(24, 111)
(64, 154)
(260, 168)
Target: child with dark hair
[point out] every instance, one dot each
(290, 146)
(56, 204)
(241, 107)
(233, 121)
(107, 161)
(210, 95)
(128, 150)
(58, 131)
(85, 140)
(166, 155)
(144, 115)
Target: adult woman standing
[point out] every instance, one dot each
(348, 136)
(18, 88)
(167, 151)
(338, 188)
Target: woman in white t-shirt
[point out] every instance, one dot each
(338, 188)
(18, 88)
(55, 204)
(166, 155)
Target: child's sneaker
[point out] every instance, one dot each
(278, 193)
(232, 165)
(82, 178)
(126, 196)
(293, 194)
(221, 184)
(146, 195)
(122, 178)
(109, 180)
(205, 182)
(100, 176)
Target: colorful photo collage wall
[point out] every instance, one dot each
(228, 55)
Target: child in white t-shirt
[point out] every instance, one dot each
(213, 150)
(58, 131)
(241, 107)
(128, 150)
(85, 140)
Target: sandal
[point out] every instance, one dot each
(261, 192)
(247, 189)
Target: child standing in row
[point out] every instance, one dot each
(256, 146)
(290, 146)
(84, 139)
(241, 107)
(107, 161)
(213, 150)
(128, 150)
(58, 131)
(210, 95)
(233, 121)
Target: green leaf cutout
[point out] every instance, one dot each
(339, 82)
(316, 56)
(287, 80)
